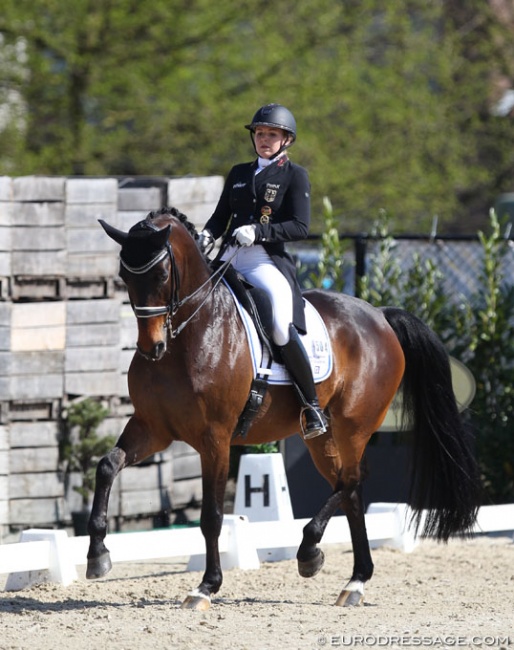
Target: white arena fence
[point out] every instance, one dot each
(51, 555)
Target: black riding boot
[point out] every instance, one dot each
(298, 365)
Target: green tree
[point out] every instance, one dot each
(392, 99)
(82, 447)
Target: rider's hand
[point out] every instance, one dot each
(205, 242)
(245, 235)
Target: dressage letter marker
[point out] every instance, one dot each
(262, 494)
(249, 490)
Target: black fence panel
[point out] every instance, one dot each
(459, 260)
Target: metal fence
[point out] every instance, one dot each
(459, 260)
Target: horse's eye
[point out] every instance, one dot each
(162, 276)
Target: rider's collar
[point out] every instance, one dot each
(265, 162)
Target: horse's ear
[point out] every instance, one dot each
(119, 236)
(161, 236)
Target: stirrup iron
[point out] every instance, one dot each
(316, 428)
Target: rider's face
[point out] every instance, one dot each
(268, 140)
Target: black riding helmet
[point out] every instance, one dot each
(276, 116)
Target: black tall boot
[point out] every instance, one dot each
(298, 365)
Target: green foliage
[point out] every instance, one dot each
(263, 448)
(417, 289)
(392, 99)
(380, 284)
(81, 446)
(484, 336)
(479, 331)
(330, 266)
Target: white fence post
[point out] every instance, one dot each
(58, 566)
(44, 555)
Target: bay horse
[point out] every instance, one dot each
(190, 379)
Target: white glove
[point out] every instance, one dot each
(205, 242)
(245, 235)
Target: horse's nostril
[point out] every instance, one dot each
(158, 350)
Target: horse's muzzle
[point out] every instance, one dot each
(156, 353)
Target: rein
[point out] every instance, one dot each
(175, 304)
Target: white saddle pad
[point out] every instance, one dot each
(316, 343)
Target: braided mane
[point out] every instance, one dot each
(141, 246)
(173, 212)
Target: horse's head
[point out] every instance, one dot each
(150, 267)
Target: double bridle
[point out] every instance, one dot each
(175, 303)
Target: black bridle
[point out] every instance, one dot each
(175, 303)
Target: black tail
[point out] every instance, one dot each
(445, 479)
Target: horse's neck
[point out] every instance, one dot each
(216, 319)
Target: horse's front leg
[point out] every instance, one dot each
(214, 480)
(98, 558)
(133, 446)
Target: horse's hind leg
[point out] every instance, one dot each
(353, 506)
(340, 465)
(310, 557)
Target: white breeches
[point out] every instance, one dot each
(257, 267)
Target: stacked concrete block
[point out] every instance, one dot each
(67, 330)
(38, 242)
(4, 476)
(195, 196)
(35, 485)
(5, 235)
(92, 359)
(92, 256)
(134, 204)
(32, 341)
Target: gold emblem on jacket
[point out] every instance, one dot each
(265, 214)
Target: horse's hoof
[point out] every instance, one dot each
(311, 567)
(196, 601)
(97, 567)
(352, 595)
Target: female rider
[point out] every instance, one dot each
(264, 204)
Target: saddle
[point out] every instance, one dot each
(258, 305)
(256, 312)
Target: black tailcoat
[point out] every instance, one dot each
(277, 202)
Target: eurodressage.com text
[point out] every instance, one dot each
(406, 641)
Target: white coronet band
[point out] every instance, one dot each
(355, 585)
